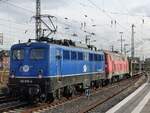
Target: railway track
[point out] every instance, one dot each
(8, 103)
(53, 105)
(100, 102)
(14, 105)
(49, 106)
(11, 105)
(2, 97)
(7, 99)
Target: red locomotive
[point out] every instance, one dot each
(117, 66)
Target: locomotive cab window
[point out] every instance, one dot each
(18, 54)
(37, 54)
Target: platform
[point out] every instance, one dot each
(137, 102)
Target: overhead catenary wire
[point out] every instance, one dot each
(11, 21)
(17, 6)
(70, 26)
(113, 13)
(109, 16)
(116, 13)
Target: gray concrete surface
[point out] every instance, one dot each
(139, 103)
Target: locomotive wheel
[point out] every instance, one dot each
(103, 83)
(92, 84)
(97, 83)
(35, 100)
(106, 82)
(13, 92)
(57, 94)
(43, 98)
(68, 91)
(113, 79)
(51, 97)
(79, 88)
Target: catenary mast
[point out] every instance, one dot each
(38, 20)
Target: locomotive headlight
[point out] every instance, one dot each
(40, 73)
(12, 75)
(40, 76)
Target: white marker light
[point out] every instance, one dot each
(40, 76)
(12, 76)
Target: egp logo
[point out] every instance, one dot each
(84, 68)
(25, 68)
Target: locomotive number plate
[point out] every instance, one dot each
(26, 81)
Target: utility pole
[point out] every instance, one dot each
(38, 19)
(112, 48)
(125, 45)
(1, 38)
(132, 42)
(121, 33)
(132, 49)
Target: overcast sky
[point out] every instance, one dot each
(16, 22)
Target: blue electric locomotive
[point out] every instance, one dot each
(41, 70)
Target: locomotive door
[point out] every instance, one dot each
(58, 63)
